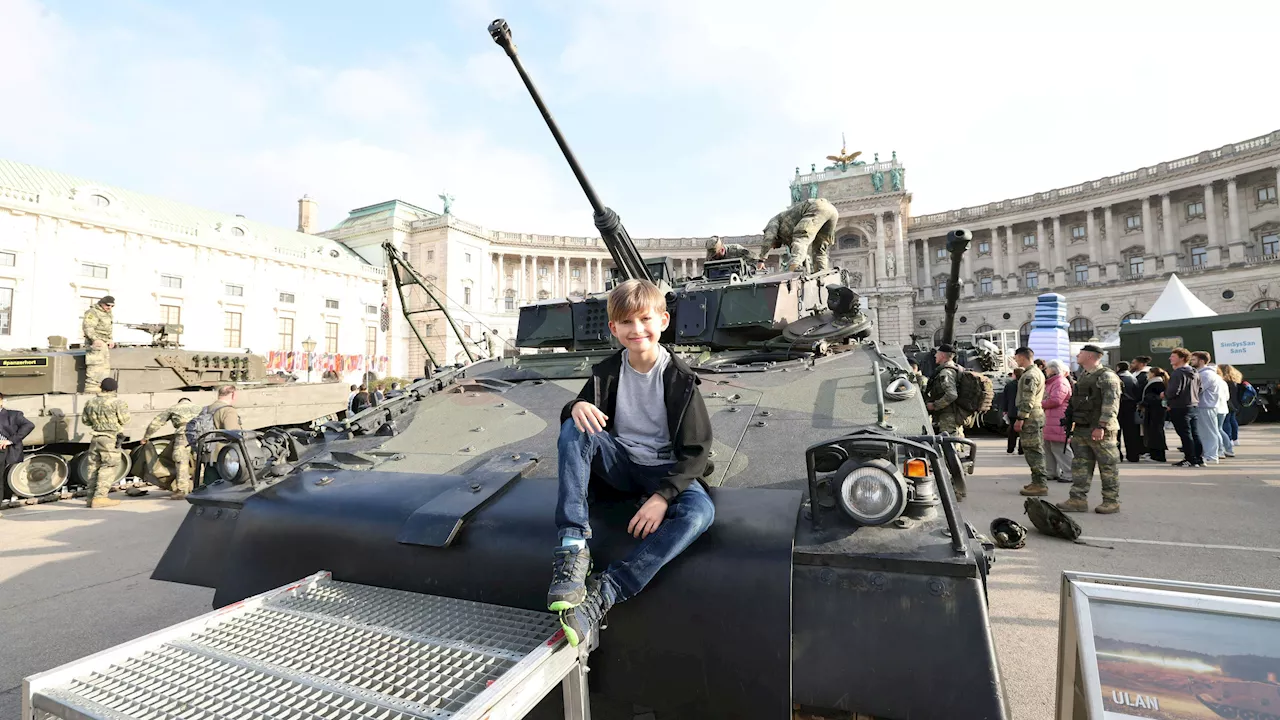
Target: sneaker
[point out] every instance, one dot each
(568, 578)
(1034, 490)
(1107, 507)
(1064, 480)
(1184, 463)
(583, 621)
(1073, 505)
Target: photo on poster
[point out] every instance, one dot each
(1173, 664)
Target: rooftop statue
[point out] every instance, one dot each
(448, 201)
(895, 177)
(845, 158)
(877, 179)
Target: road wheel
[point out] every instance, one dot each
(38, 475)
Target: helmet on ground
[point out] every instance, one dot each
(1008, 534)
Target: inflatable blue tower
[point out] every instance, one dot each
(1049, 329)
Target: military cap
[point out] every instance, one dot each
(713, 243)
(110, 385)
(946, 348)
(1092, 349)
(107, 300)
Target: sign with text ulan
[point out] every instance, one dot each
(1242, 346)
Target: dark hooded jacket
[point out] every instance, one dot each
(687, 417)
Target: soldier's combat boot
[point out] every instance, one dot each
(568, 578)
(1108, 507)
(582, 623)
(1073, 505)
(102, 502)
(1034, 490)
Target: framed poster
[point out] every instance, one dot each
(1166, 650)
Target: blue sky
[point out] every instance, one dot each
(689, 117)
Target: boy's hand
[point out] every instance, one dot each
(648, 517)
(588, 417)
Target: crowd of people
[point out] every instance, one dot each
(1067, 423)
(1199, 399)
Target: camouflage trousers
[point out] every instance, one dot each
(1105, 453)
(103, 464)
(813, 236)
(1032, 439)
(949, 423)
(97, 366)
(182, 466)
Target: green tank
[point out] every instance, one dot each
(48, 386)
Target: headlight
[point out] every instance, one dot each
(872, 493)
(230, 464)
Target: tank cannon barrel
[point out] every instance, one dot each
(626, 256)
(957, 244)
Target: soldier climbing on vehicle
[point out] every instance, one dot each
(807, 229)
(178, 416)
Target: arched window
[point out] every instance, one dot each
(1130, 318)
(848, 242)
(985, 327)
(99, 200)
(1265, 304)
(937, 337)
(1024, 334)
(1081, 330)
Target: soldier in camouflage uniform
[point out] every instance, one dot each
(98, 324)
(1095, 405)
(107, 415)
(941, 393)
(1029, 423)
(178, 416)
(807, 228)
(717, 250)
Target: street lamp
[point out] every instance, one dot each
(307, 346)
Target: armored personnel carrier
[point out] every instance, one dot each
(48, 386)
(839, 575)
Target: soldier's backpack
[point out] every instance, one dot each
(974, 394)
(1049, 520)
(199, 425)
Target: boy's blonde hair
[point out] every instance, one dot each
(635, 297)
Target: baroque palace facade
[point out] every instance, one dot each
(1107, 245)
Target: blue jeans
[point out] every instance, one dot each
(1232, 426)
(688, 516)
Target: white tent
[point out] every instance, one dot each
(1176, 303)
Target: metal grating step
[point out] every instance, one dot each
(326, 650)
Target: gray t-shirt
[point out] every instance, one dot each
(641, 416)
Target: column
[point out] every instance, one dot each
(1042, 240)
(899, 256)
(589, 287)
(927, 254)
(1169, 246)
(997, 258)
(1059, 253)
(966, 271)
(523, 290)
(1211, 223)
(600, 273)
(880, 265)
(1011, 260)
(502, 284)
(555, 276)
(1091, 227)
(1235, 241)
(1112, 253)
(1149, 250)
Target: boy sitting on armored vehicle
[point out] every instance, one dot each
(641, 415)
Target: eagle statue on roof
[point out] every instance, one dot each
(845, 158)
